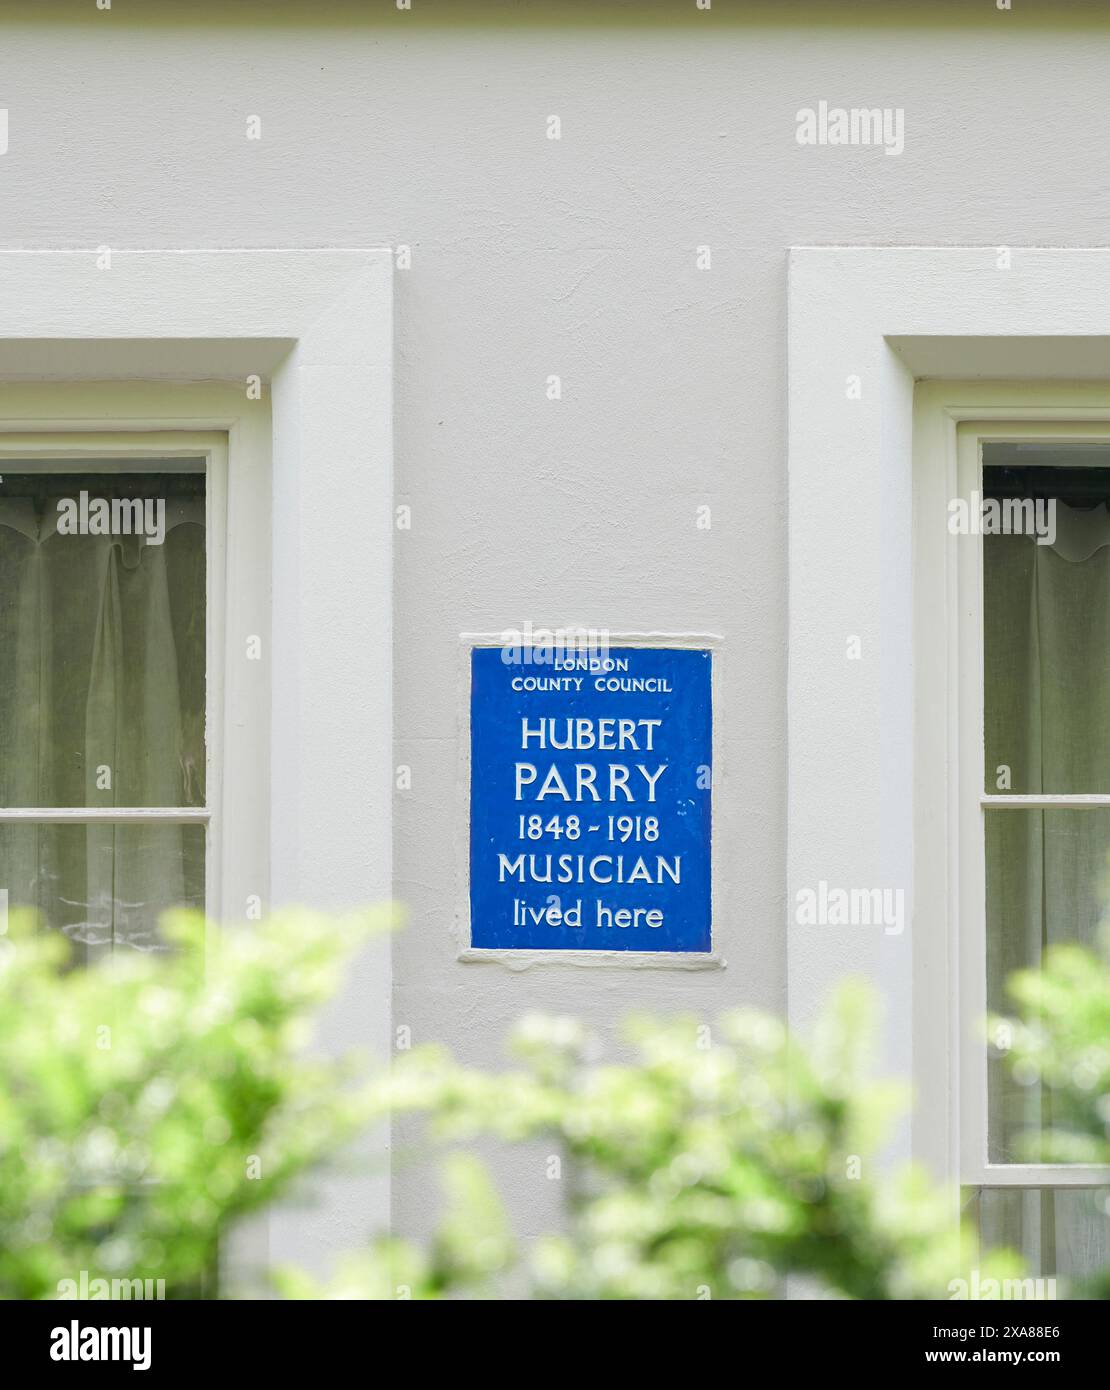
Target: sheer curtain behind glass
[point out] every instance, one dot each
(102, 674)
(1047, 721)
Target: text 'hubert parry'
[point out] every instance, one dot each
(122, 516)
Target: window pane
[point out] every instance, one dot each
(1045, 882)
(1062, 1233)
(104, 886)
(102, 638)
(1046, 617)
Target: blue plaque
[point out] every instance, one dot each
(590, 799)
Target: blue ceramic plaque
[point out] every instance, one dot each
(590, 799)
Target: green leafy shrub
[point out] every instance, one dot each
(1063, 1039)
(714, 1164)
(150, 1102)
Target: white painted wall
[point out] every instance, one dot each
(575, 257)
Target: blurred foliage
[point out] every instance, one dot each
(711, 1165)
(151, 1101)
(1063, 1040)
(472, 1247)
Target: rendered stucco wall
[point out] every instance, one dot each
(577, 258)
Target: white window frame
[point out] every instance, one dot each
(966, 679)
(869, 799)
(951, 421)
(165, 327)
(236, 850)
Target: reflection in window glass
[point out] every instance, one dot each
(102, 693)
(103, 885)
(1046, 633)
(1046, 874)
(102, 639)
(1061, 1232)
